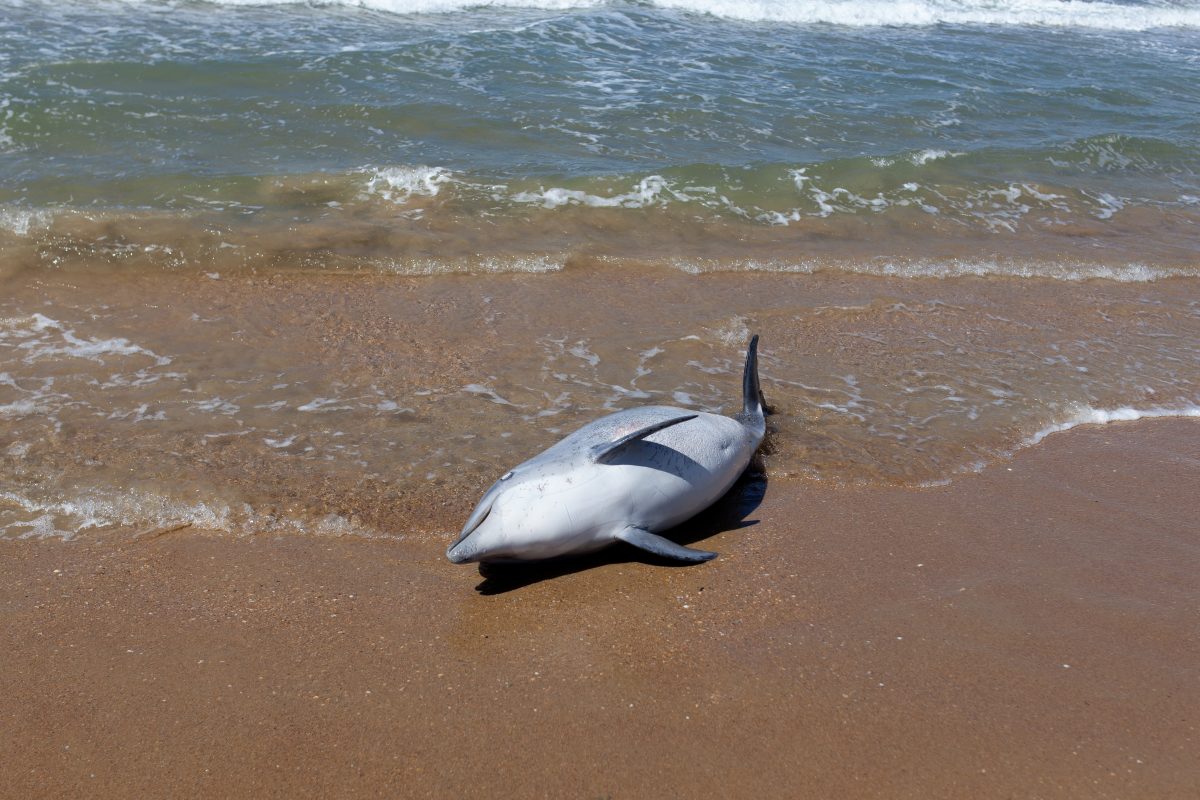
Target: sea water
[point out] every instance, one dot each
(329, 266)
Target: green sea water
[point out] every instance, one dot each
(185, 126)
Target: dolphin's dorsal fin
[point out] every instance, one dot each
(605, 449)
(752, 397)
(643, 539)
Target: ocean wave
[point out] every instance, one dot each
(426, 6)
(424, 219)
(877, 13)
(848, 13)
(999, 188)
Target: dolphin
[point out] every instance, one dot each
(624, 477)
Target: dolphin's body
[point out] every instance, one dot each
(624, 477)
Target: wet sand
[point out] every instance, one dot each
(374, 404)
(1029, 631)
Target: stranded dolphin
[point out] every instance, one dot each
(624, 477)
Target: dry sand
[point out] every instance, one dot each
(1031, 631)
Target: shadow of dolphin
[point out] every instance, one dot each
(727, 514)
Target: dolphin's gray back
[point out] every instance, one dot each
(702, 444)
(612, 427)
(606, 429)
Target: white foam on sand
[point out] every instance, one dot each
(41, 337)
(489, 264)
(1088, 415)
(152, 513)
(954, 268)
(1077, 416)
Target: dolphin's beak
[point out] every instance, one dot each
(461, 552)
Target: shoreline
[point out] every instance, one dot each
(366, 405)
(1027, 630)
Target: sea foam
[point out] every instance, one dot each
(952, 268)
(24, 221)
(876, 13)
(90, 509)
(646, 194)
(398, 184)
(1088, 415)
(849, 13)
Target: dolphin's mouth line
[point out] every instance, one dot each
(481, 512)
(471, 528)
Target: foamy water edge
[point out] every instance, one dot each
(847, 13)
(1087, 415)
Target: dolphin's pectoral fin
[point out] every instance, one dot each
(602, 451)
(643, 539)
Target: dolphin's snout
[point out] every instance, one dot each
(466, 547)
(460, 553)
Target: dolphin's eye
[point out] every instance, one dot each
(506, 476)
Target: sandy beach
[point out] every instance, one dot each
(1025, 632)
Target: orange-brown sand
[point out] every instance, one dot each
(1031, 631)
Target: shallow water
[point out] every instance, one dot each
(379, 404)
(300, 267)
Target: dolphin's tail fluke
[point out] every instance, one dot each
(753, 403)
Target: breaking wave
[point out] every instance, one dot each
(848, 13)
